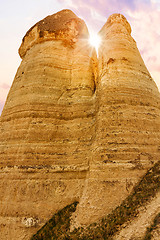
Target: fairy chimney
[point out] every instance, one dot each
(47, 124)
(75, 128)
(127, 124)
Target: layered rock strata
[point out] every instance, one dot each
(127, 123)
(66, 134)
(47, 125)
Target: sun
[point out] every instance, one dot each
(95, 41)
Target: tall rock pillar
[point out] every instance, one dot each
(47, 125)
(127, 123)
(129, 101)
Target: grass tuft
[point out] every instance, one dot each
(56, 227)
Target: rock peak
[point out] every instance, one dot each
(119, 19)
(63, 25)
(54, 22)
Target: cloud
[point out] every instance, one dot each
(4, 86)
(1, 106)
(146, 31)
(88, 9)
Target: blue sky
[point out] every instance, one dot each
(17, 16)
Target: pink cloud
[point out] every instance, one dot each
(103, 8)
(145, 26)
(1, 106)
(4, 86)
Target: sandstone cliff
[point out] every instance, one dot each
(127, 123)
(73, 129)
(47, 125)
(135, 218)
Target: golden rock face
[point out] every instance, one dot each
(47, 127)
(64, 25)
(127, 124)
(72, 129)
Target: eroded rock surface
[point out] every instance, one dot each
(47, 125)
(136, 228)
(71, 130)
(127, 123)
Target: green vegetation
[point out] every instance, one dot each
(58, 227)
(156, 222)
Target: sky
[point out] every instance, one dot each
(17, 16)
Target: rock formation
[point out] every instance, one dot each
(47, 124)
(127, 123)
(71, 130)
